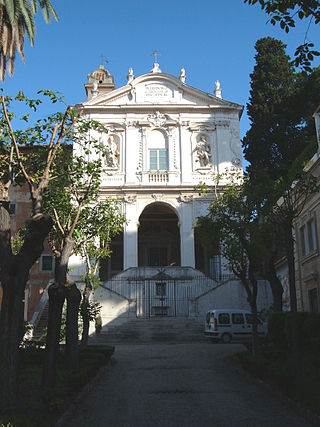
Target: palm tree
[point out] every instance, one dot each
(17, 18)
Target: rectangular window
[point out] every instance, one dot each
(46, 263)
(237, 318)
(313, 300)
(303, 240)
(160, 289)
(311, 236)
(249, 319)
(308, 240)
(215, 267)
(158, 160)
(224, 319)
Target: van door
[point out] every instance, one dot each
(261, 329)
(239, 330)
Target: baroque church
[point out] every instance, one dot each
(164, 138)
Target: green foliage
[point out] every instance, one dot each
(286, 13)
(98, 322)
(233, 227)
(17, 18)
(276, 139)
(42, 407)
(63, 329)
(98, 224)
(273, 363)
(32, 135)
(274, 367)
(208, 233)
(279, 329)
(282, 135)
(18, 239)
(92, 309)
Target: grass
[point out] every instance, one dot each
(41, 407)
(274, 367)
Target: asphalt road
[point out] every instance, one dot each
(180, 385)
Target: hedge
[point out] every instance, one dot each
(279, 331)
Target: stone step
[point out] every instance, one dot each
(151, 330)
(42, 323)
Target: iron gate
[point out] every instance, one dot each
(160, 296)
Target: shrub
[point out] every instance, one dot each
(279, 329)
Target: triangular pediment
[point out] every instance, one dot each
(158, 89)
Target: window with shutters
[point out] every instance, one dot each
(158, 151)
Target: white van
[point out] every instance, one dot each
(231, 325)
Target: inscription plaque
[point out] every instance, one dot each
(157, 92)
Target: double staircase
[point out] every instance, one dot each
(151, 330)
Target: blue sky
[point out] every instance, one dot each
(211, 39)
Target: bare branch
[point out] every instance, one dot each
(52, 151)
(15, 144)
(56, 216)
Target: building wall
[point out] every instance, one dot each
(153, 114)
(307, 250)
(38, 277)
(306, 233)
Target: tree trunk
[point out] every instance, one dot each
(10, 333)
(293, 298)
(269, 273)
(73, 303)
(253, 306)
(255, 340)
(57, 295)
(14, 274)
(85, 314)
(55, 313)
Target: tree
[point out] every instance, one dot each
(28, 157)
(274, 139)
(94, 235)
(232, 222)
(286, 13)
(16, 19)
(277, 145)
(14, 268)
(79, 220)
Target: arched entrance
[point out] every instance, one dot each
(158, 236)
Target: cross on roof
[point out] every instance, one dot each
(103, 59)
(155, 53)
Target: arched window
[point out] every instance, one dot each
(158, 151)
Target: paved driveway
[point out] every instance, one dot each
(179, 385)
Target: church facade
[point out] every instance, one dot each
(164, 139)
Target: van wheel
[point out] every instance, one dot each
(226, 338)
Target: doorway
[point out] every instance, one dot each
(158, 236)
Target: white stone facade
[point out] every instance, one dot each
(164, 137)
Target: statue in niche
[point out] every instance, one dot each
(113, 153)
(203, 152)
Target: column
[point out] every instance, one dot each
(185, 155)
(186, 234)
(130, 237)
(132, 154)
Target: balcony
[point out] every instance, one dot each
(156, 177)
